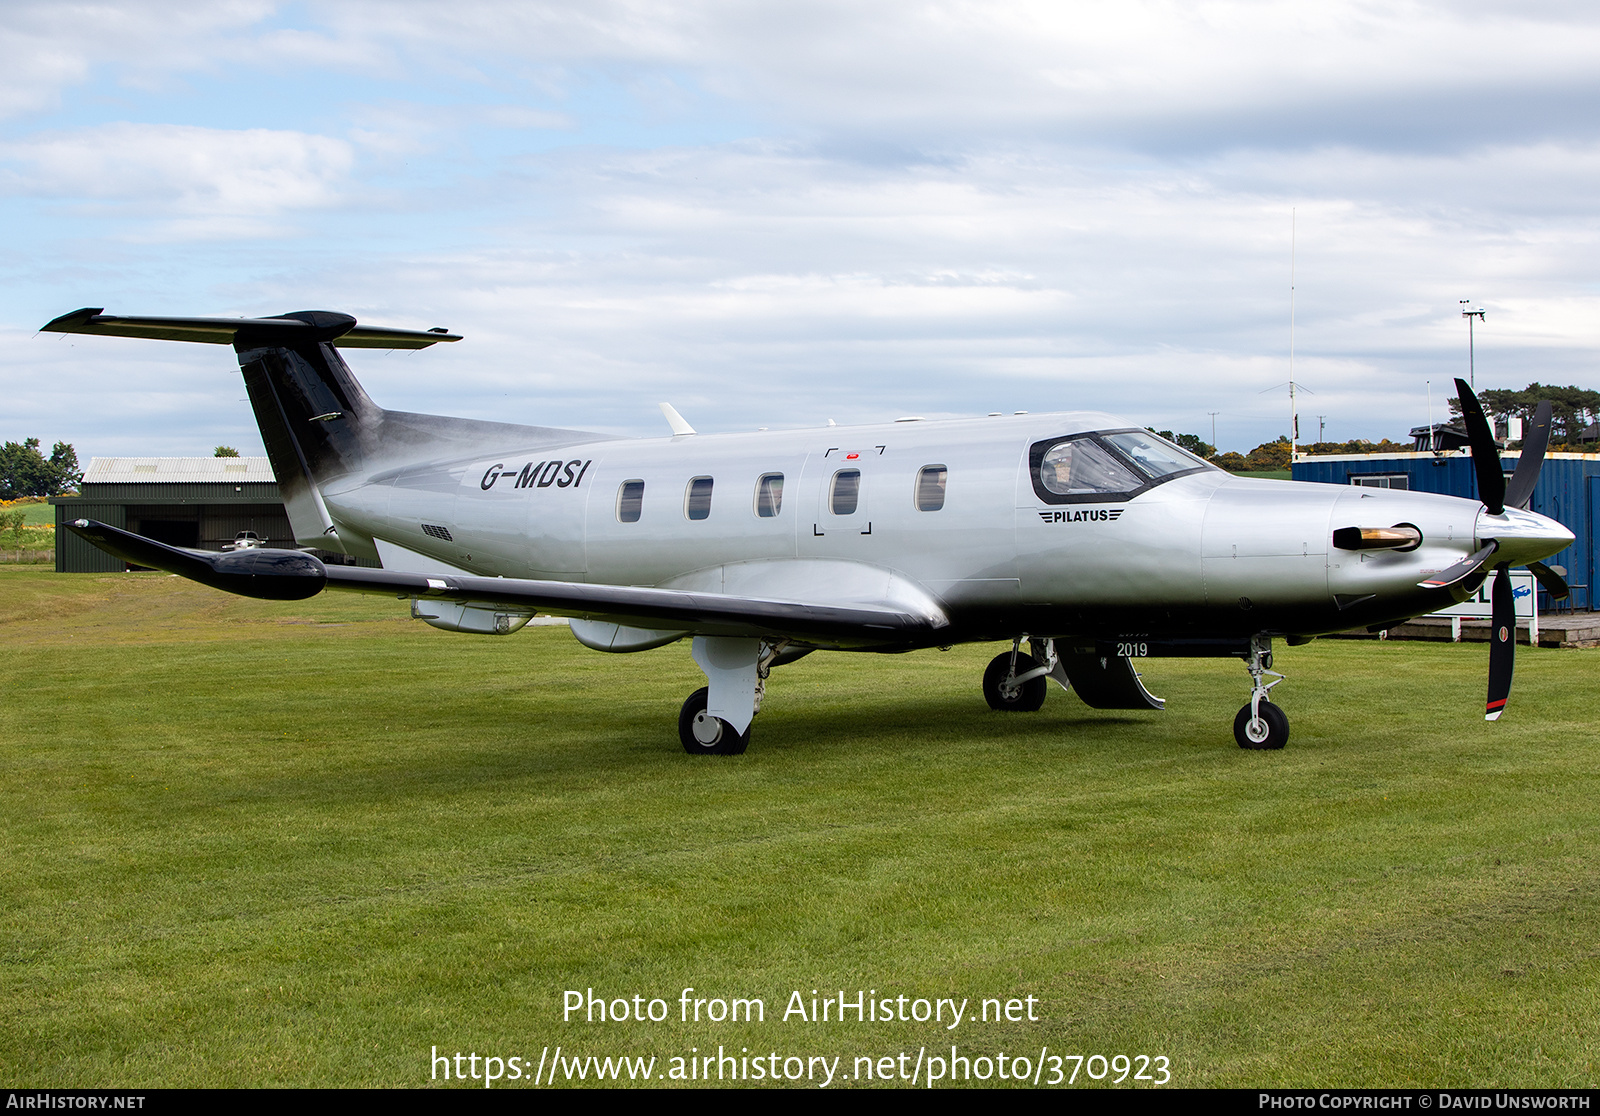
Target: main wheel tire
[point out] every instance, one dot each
(1027, 698)
(1269, 733)
(705, 735)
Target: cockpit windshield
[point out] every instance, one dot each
(1154, 456)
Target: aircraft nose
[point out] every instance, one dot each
(1523, 536)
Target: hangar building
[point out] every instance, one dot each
(1568, 492)
(184, 501)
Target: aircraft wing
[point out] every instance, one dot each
(700, 613)
(294, 575)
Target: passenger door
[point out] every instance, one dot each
(839, 485)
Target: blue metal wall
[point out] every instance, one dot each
(1568, 491)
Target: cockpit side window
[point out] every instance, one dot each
(1082, 467)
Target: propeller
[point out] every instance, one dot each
(1496, 495)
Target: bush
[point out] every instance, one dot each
(1269, 455)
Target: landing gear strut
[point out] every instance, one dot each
(715, 720)
(1261, 725)
(1016, 682)
(705, 735)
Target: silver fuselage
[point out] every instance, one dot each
(1204, 553)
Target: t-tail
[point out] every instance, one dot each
(318, 424)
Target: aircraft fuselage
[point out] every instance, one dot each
(1201, 553)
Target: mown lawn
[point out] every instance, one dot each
(303, 844)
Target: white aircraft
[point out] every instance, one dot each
(1090, 539)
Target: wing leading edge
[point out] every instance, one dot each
(295, 575)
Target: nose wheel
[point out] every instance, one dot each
(1266, 729)
(1261, 726)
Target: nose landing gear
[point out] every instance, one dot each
(1261, 725)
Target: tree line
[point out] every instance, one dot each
(26, 471)
(1572, 409)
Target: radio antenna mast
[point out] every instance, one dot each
(1294, 412)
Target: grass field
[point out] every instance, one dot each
(265, 844)
(35, 541)
(38, 515)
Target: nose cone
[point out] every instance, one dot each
(1523, 536)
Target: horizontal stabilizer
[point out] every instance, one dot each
(699, 613)
(273, 575)
(301, 327)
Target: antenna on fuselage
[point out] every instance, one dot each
(675, 420)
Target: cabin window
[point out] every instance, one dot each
(630, 501)
(1155, 456)
(769, 495)
(697, 501)
(1081, 467)
(930, 487)
(846, 491)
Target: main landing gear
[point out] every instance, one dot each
(705, 735)
(1261, 725)
(715, 720)
(1015, 682)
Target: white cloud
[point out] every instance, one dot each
(178, 171)
(51, 47)
(946, 207)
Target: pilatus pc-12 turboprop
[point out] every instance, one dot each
(1089, 539)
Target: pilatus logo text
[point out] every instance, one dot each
(1084, 515)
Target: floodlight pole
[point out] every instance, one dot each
(1472, 370)
(1213, 415)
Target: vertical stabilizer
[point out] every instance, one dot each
(316, 421)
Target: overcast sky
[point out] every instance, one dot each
(774, 214)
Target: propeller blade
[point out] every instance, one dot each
(1553, 583)
(1485, 454)
(1462, 570)
(1502, 643)
(1537, 437)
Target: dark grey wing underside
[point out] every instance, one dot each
(294, 575)
(701, 613)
